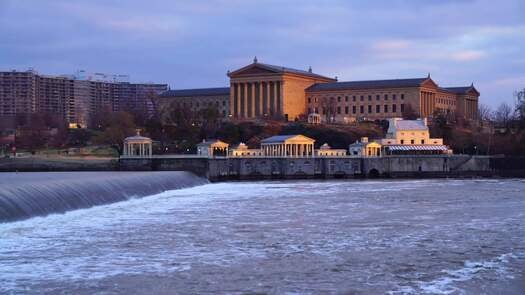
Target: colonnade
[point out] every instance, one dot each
(137, 149)
(470, 109)
(256, 99)
(427, 103)
(288, 150)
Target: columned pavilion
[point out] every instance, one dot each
(288, 146)
(137, 146)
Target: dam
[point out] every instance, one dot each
(26, 195)
(259, 168)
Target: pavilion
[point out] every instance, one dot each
(288, 146)
(137, 146)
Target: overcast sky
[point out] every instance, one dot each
(188, 43)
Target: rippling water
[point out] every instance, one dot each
(298, 237)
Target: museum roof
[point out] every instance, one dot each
(410, 125)
(282, 69)
(393, 83)
(218, 91)
(282, 138)
(459, 90)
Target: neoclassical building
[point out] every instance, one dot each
(264, 91)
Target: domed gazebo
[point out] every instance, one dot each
(137, 146)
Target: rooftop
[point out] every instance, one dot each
(410, 125)
(283, 138)
(393, 83)
(218, 91)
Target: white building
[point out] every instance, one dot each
(411, 137)
(326, 151)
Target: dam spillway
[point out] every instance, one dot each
(25, 195)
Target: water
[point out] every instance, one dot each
(25, 195)
(297, 237)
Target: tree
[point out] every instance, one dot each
(484, 112)
(119, 125)
(504, 115)
(328, 106)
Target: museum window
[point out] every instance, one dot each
(346, 110)
(309, 111)
(402, 96)
(362, 109)
(394, 97)
(369, 109)
(370, 98)
(394, 108)
(385, 108)
(422, 141)
(324, 111)
(353, 98)
(378, 97)
(411, 141)
(378, 109)
(402, 107)
(223, 103)
(402, 141)
(346, 98)
(386, 96)
(309, 100)
(362, 98)
(339, 110)
(353, 109)
(339, 99)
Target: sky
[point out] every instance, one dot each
(192, 44)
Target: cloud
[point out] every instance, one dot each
(468, 55)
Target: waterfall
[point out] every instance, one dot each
(25, 195)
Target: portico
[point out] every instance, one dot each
(288, 146)
(267, 91)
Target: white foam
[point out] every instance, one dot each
(471, 270)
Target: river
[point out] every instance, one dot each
(293, 237)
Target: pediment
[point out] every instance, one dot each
(429, 83)
(253, 70)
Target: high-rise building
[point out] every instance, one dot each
(75, 99)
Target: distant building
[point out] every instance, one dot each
(288, 146)
(264, 91)
(344, 102)
(74, 99)
(411, 137)
(364, 148)
(326, 151)
(212, 148)
(242, 150)
(195, 100)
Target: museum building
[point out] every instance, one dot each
(264, 91)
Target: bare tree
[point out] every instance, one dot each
(520, 104)
(485, 113)
(504, 115)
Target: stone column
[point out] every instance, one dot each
(253, 115)
(268, 101)
(281, 97)
(275, 98)
(232, 98)
(245, 99)
(237, 100)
